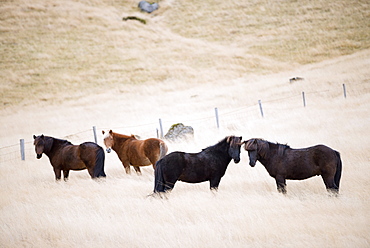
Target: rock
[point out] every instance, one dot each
(179, 132)
(294, 79)
(148, 7)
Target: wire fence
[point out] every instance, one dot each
(24, 150)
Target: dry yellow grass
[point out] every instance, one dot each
(247, 210)
(56, 50)
(71, 65)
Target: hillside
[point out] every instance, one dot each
(58, 50)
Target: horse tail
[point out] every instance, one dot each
(99, 163)
(162, 149)
(338, 172)
(158, 178)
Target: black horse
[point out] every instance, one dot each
(283, 162)
(64, 156)
(208, 165)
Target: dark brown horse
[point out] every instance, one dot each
(64, 156)
(208, 165)
(132, 151)
(283, 162)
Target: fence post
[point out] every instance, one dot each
(23, 157)
(260, 104)
(344, 91)
(161, 128)
(304, 99)
(217, 122)
(95, 137)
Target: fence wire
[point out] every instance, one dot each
(231, 120)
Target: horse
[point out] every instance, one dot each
(283, 162)
(132, 151)
(64, 156)
(208, 165)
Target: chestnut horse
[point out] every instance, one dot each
(64, 156)
(132, 151)
(283, 162)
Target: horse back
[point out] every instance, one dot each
(155, 148)
(324, 155)
(173, 165)
(306, 162)
(143, 152)
(88, 153)
(311, 154)
(193, 167)
(68, 158)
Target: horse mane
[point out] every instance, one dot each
(266, 144)
(60, 141)
(216, 146)
(50, 141)
(122, 136)
(282, 148)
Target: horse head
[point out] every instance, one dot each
(108, 140)
(234, 147)
(256, 148)
(42, 145)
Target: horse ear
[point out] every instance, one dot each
(103, 132)
(42, 136)
(34, 136)
(110, 131)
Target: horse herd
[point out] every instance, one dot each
(280, 161)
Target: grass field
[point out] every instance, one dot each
(69, 65)
(79, 47)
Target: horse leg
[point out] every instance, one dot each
(65, 174)
(214, 182)
(280, 183)
(153, 160)
(137, 169)
(127, 168)
(168, 186)
(169, 182)
(330, 184)
(91, 172)
(58, 173)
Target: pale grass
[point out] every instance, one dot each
(59, 49)
(72, 65)
(246, 211)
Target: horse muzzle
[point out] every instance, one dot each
(236, 160)
(252, 163)
(108, 150)
(38, 156)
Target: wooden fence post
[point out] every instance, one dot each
(95, 137)
(304, 99)
(260, 104)
(344, 91)
(161, 128)
(217, 121)
(23, 157)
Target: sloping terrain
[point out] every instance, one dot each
(58, 50)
